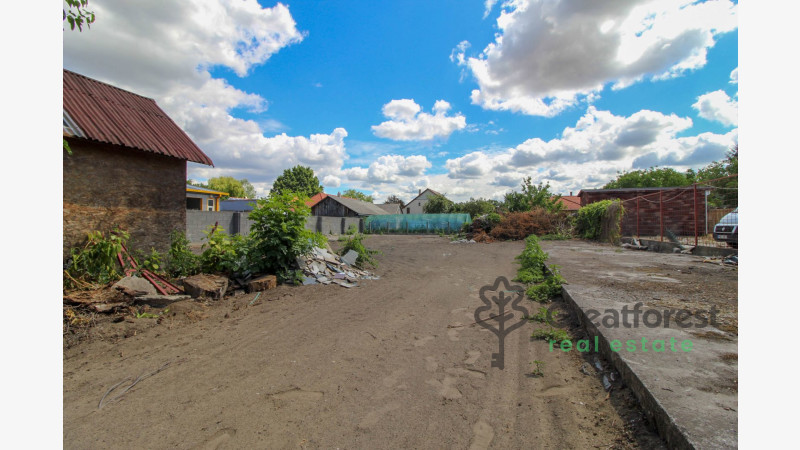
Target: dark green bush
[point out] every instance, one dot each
(223, 253)
(278, 235)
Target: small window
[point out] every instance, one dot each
(211, 204)
(419, 203)
(408, 210)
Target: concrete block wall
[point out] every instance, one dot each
(198, 222)
(333, 225)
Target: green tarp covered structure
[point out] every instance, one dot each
(415, 223)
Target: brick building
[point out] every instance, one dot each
(647, 210)
(127, 167)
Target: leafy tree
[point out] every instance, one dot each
(235, 188)
(438, 204)
(298, 179)
(718, 174)
(532, 196)
(352, 193)
(652, 177)
(475, 207)
(77, 15)
(394, 199)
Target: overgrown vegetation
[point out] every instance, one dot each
(223, 253)
(96, 262)
(353, 240)
(180, 260)
(538, 221)
(600, 221)
(543, 283)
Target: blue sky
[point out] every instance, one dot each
(465, 97)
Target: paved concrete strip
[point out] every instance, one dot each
(678, 389)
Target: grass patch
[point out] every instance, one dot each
(551, 334)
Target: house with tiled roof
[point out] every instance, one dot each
(571, 203)
(125, 167)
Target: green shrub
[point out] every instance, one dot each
(278, 235)
(355, 242)
(529, 276)
(544, 291)
(223, 253)
(97, 261)
(180, 261)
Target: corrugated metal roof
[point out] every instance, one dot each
(112, 115)
(361, 208)
(390, 208)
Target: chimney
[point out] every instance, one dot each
(420, 191)
(570, 193)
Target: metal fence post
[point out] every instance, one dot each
(638, 235)
(694, 197)
(661, 213)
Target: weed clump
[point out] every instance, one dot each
(354, 240)
(96, 262)
(543, 283)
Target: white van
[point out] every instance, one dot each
(727, 230)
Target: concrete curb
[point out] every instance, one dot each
(673, 435)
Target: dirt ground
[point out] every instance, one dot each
(394, 363)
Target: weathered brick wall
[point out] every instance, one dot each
(107, 186)
(678, 210)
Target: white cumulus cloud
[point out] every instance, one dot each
(551, 55)
(408, 122)
(718, 106)
(589, 154)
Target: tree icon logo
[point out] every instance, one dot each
(500, 297)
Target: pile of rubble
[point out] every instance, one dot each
(325, 267)
(463, 241)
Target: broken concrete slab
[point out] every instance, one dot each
(136, 285)
(206, 286)
(262, 283)
(350, 257)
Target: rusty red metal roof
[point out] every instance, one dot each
(111, 115)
